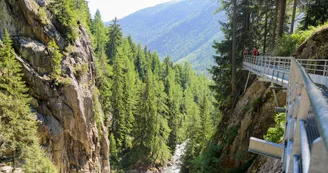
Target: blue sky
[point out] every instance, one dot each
(120, 8)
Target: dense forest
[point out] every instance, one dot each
(154, 105)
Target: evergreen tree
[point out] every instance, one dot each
(129, 93)
(315, 13)
(114, 41)
(71, 13)
(173, 101)
(151, 129)
(99, 34)
(104, 82)
(117, 101)
(104, 70)
(140, 63)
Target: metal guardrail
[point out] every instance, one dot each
(306, 130)
(276, 69)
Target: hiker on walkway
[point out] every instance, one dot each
(255, 53)
(246, 52)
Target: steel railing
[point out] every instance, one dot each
(276, 69)
(306, 130)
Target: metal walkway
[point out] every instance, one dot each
(305, 146)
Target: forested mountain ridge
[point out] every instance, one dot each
(182, 29)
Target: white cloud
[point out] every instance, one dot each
(120, 8)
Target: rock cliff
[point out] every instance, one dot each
(69, 129)
(251, 117)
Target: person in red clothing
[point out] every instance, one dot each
(255, 53)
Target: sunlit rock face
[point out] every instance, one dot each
(66, 112)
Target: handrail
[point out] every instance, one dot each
(319, 104)
(307, 108)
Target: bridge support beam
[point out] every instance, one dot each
(265, 148)
(274, 95)
(277, 88)
(280, 109)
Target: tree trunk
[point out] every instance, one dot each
(265, 28)
(293, 17)
(233, 63)
(282, 11)
(14, 159)
(247, 17)
(275, 23)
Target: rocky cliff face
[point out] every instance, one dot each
(67, 112)
(252, 116)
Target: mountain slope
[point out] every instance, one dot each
(183, 29)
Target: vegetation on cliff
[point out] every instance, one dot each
(18, 125)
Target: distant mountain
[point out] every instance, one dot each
(183, 29)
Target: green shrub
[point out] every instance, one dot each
(81, 69)
(70, 49)
(63, 81)
(56, 59)
(276, 133)
(288, 44)
(43, 16)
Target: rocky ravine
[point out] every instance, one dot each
(68, 129)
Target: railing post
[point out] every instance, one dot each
(325, 73)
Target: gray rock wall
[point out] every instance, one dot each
(67, 127)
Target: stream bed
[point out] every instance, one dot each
(175, 164)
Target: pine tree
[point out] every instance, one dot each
(206, 125)
(99, 33)
(114, 41)
(117, 101)
(104, 70)
(140, 63)
(173, 101)
(151, 129)
(129, 93)
(17, 123)
(70, 13)
(104, 82)
(315, 14)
